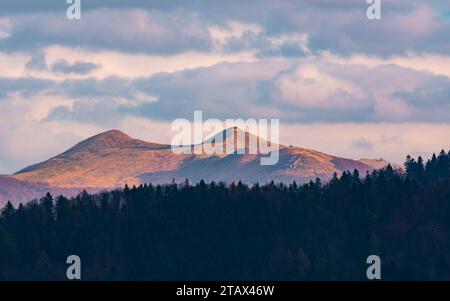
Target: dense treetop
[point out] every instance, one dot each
(218, 231)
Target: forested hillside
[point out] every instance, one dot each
(217, 231)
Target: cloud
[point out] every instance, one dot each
(308, 86)
(390, 141)
(434, 94)
(5, 28)
(347, 85)
(24, 86)
(427, 63)
(37, 62)
(180, 26)
(418, 28)
(116, 63)
(309, 90)
(78, 67)
(263, 45)
(362, 143)
(130, 30)
(13, 64)
(26, 138)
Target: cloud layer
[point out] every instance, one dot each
(320, 66)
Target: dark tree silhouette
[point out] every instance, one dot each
(235, 232)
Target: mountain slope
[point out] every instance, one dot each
(18, 191)
(109, 159)
(114, 159)
(295, 164)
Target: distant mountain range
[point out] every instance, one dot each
(113, 159)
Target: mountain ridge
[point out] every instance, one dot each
(111, 139)
(113, 159)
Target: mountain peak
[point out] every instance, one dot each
(238, 138)
(113, 158)
(105, 140)
(114, 133)
(100, 144)
(113, 139)
(235, 131)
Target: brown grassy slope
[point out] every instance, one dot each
(107, 160)
(113, 159)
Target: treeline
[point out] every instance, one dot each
(236, 232)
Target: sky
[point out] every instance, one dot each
(339, 82)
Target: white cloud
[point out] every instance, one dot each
(307, 86)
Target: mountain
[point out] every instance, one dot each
(113, 159)
(106, 160)
(237, 139)
(17, 191)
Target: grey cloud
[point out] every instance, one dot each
(228, 90)
(362, 143)
(79, 67)
(168, 27)
(25, 86)
(263, 45)
(351, 93)
(91, 88)
(134, 30)
(248, 40)
(88, 111)
(37, 62)
(27, 6)
(221, 91)
(431, 94)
